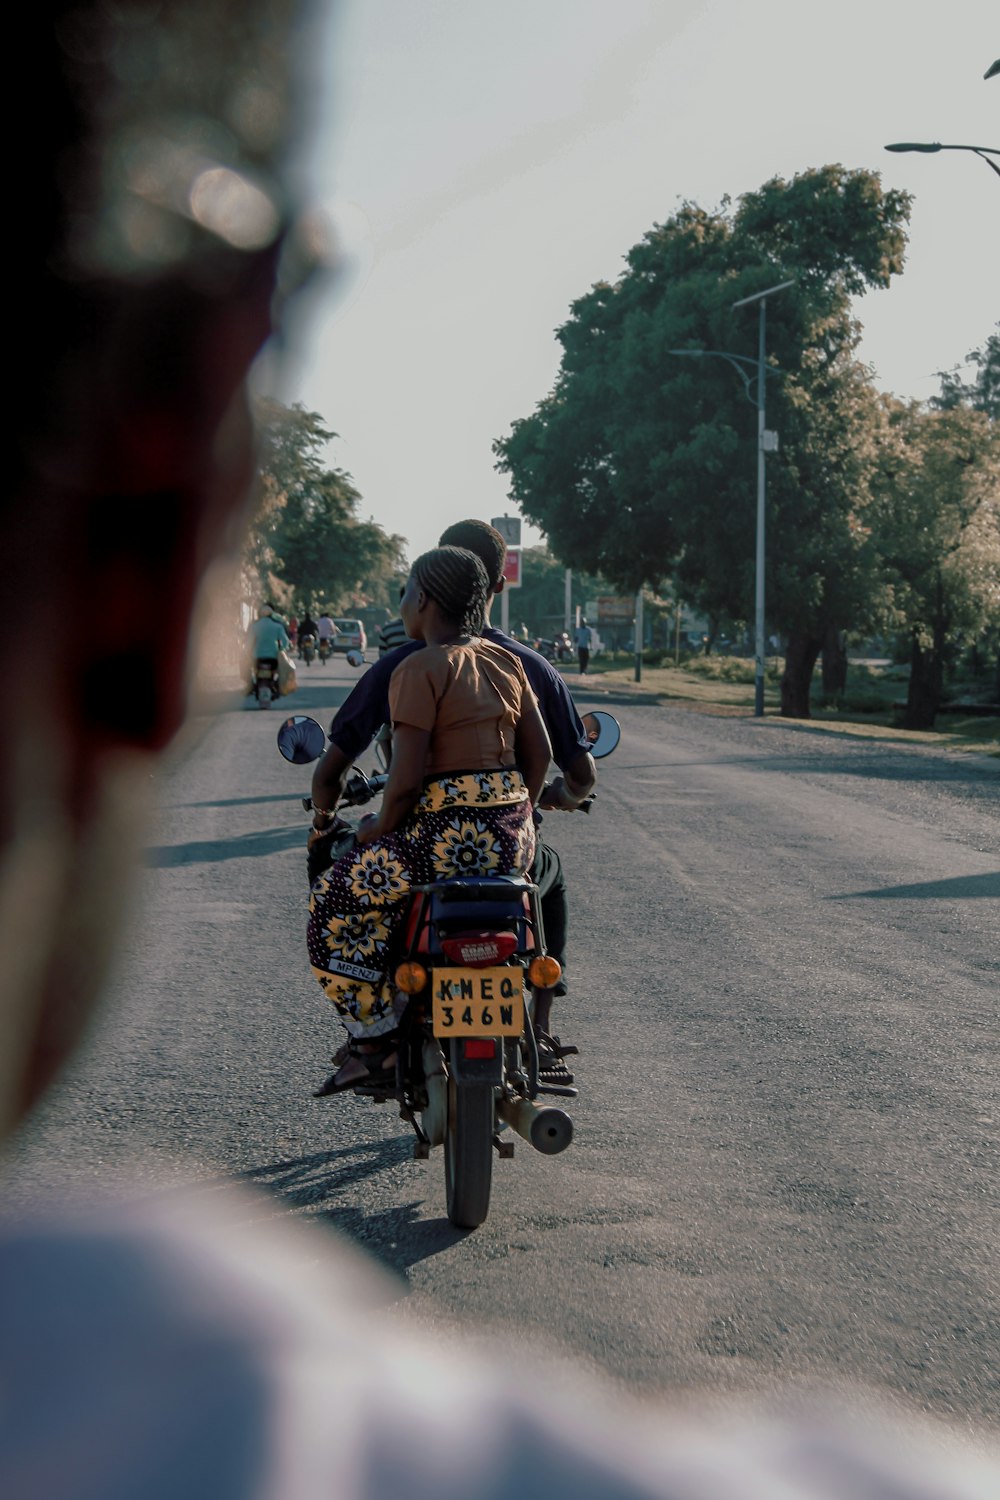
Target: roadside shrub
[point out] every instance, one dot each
(721, 668)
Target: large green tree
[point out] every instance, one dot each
(938, 529)
(640, 464)
(308, 534)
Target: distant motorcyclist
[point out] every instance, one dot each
(307, 638)
(265, 638)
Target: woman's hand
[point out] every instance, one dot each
(369, 829)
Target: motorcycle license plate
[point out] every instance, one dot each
(477, 1002)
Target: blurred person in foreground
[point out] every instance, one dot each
(190, 1348)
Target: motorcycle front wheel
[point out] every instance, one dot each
(468, 1153)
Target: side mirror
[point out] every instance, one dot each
(603, 731)
(301, 740)
(355, 658)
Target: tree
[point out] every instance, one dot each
(982, 393)
(307, 535)
(939, 532)
(541, 600)
(640, 464)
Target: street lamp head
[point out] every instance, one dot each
(915, 146)
(767, 292)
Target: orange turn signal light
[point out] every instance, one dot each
(411, 978)
(544, 972)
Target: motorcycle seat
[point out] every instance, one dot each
(482, 888)
(499, 901)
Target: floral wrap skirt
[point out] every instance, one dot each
(476, 823)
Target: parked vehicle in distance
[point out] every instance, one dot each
(350, 636)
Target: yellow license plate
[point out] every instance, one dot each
(478, 1002)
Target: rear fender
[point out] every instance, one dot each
(465, 1069)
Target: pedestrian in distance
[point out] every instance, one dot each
(392, 634)
(583, 639)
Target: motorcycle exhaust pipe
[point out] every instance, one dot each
(548, 1129)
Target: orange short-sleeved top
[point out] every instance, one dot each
(470, 698)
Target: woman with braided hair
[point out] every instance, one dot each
(469, 759)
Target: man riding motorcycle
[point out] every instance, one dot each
(367, 710)
(327, 633)
(265, 638)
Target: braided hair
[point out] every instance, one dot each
(456, 580)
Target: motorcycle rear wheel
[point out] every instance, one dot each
(264, 695)
(468, 1153)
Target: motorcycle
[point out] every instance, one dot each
(265, 680)
(469, 954)
(555, 651)
(325, 648)
(307, 649)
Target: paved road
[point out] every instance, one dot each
(785, 988)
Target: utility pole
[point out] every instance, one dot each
(767, 442)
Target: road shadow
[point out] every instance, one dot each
(397, 1237)
(620, 700)
(216, 851)
(241, 801)
(308, 1181)
(958, 888)
(321, 700)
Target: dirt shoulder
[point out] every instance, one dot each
(685, 690)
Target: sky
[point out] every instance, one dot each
(484, 163)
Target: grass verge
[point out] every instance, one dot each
(725, 685)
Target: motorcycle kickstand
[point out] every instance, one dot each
(422, 1145)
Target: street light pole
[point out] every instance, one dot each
(738, 361)
(929, 147)
(760, 645)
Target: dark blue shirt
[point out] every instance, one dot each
(367, 709)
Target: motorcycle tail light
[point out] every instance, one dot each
(476, 1048)
(544, 972)
(478, 950)
(411, 978)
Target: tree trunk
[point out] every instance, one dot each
(923, 697)
(800, 658)
(834, 663)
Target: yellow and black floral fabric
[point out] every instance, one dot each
(476, 823)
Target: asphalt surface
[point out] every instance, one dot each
(785, 970)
